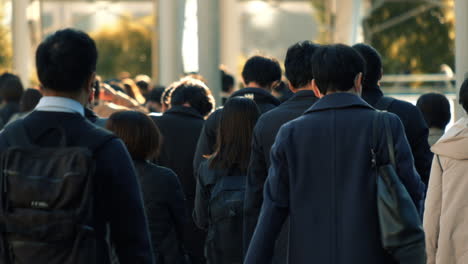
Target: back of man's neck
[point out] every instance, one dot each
(256, 85)
(49, 92)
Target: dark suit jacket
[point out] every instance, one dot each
(321, 177)
(165, 207)
(415, 128)
(117, 190)
(263, 138)
(206, 144)
(180, 128)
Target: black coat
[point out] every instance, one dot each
(321, 177)
(415, 128)
(165, 208)
(206, 144)
(117, 191)
(180, 128)
(263, 138)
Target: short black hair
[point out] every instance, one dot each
(11, 87)
(373, 64)
(335, 67)
(65, 60)
(298, 63)
(194, 92)
(29, 100)
(463, 95)
(262, 70)
(155, 94)
(435, 108)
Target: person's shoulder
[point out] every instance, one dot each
(402, 106)
(156, 173)
(166, 172)
(394, 120)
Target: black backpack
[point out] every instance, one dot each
(226, 206)
(46, 201)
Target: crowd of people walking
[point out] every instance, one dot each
(316, 166)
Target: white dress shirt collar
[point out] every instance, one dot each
(59, 104)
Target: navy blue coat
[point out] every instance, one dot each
(415, 128)
(321, 177)
(180, 128)
(263, 138)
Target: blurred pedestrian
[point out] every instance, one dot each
(446, 208)
(435, 108)
(162, 193)
(221, 183)
(180, 126)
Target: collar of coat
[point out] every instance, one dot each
(259, 95)
(338, 101)
(184, 110)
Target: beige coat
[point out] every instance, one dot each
(446, 213)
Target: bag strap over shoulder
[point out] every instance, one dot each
(388, 137)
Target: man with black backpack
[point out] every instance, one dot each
(67, 185)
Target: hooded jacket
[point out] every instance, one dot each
(447, 204)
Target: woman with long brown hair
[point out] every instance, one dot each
(221, 183)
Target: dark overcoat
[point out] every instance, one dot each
(263, 138)
(321, 177)
(180, 127)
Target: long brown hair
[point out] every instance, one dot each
(235, 134)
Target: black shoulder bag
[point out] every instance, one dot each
(401, 230)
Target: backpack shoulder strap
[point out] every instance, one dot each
(16, 135)
(384, 103)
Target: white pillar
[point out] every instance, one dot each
(21, 41)
(348, 17)
(171, 25)
(231, 36)
(461, 52)
(209, 45)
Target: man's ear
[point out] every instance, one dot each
(358, 83)
(316, 90)
(291, 87)
(90, 83)
(89, 88)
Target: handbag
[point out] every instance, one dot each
(402, 234)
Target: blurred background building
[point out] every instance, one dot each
(167, 38)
